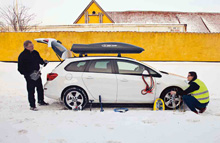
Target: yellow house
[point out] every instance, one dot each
(93, 13)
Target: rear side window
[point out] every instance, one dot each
(76, 66)
(101, 66)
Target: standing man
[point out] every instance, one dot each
(29, 65)
(196, 96)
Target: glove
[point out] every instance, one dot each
(45, 62)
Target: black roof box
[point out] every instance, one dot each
(105, 48)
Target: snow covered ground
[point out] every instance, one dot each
(54, 124)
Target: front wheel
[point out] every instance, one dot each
(171, 102)
(75, 97)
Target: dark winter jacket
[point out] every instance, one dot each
(29, 61)
(192, 87)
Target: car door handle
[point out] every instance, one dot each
(89, 77)
(124, 80)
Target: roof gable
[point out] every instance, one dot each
(93, 11)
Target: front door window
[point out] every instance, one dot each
(125, 67)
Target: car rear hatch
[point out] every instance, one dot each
(58, 48)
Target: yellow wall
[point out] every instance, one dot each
(94, 19)
(158, 46)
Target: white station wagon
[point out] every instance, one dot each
(76, 80)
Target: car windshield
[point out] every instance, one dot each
(149, 66)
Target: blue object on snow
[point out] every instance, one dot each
(121, 110)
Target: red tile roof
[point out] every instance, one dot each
(196, 22)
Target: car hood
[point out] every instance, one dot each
(174, 80)
(174, 75)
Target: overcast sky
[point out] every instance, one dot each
(65, 12)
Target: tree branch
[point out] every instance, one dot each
(16, 20)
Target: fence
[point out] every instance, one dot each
(158, 46)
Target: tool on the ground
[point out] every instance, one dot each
(100, 101)
(121, 110)
(184, 110)
(182, 107)
(74, 108)
(159, 104)
(91, 104)
(80, 108)
(77, 108)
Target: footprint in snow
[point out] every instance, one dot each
(193, 120)
(217, 114)
(113, 142)
(58, 141)
(149, 122)
(22, 131)
(97, 125)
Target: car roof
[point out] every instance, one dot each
(97, 57)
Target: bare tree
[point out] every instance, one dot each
(2, 27)
(17, 19)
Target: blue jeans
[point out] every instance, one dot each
(193, 103)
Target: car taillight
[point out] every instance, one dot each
(51, 76)
(46, 40)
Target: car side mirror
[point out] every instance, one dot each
(145, 73)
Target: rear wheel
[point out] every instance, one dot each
(171, 102)
(75, 97)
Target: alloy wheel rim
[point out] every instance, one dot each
(74, 99)
(172, 101)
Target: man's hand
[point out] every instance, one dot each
(172, 92)
(45, 62)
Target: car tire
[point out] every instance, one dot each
(75, 98)
(168, 99)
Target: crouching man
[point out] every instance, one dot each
(29, 65)
(196, 96)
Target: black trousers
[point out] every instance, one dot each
(193, 103)
(31, 85)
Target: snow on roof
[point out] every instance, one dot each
(142, 17)
(212, 21)
(196, 22)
